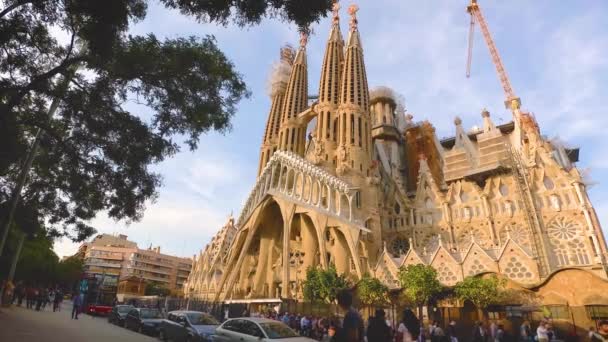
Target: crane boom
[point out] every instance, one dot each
(470, 50)
(477, 16)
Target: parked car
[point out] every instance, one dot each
(144, 320)
(118, 314)
(98, 309)
(249, 329)
(190, 326)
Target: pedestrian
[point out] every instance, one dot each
(377, 329)
(451, 331)
(542, 334)
(76, 304)
(479, 332)
(437, 333)
(500, 334)
(331, 333)
(29, 295)
(51, 298)
(39, 294)
(601, 335)
(352, 326)
(305, 326)
(57, 300)
(525, 332)
(409, 328)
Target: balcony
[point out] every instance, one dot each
(149, 269)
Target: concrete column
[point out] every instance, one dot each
(285, 290)
(590, 228)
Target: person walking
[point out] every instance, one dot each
(76, 304)
(51, 298)
(480, 333)
(352, 326)
(451, 331)
(57, 300)
(38, 293)
(542, 334)
(525, 332)
(409, 328)
(377, 329)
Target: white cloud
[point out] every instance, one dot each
(556, 56)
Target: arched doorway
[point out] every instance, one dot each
(261, 268)
(304, 250)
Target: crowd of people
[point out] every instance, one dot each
(37, 297)
(352, 328)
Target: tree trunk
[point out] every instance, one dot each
(481, 314)
(16, 257)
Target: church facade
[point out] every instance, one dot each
(370, 190)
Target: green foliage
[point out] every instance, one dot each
(323, 285)
(419, 283)
(156, 289)
(69, 271)
(37, 262)
(372, 291)
(129, 100)
(480, 291)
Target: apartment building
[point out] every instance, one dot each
(109, 258)
(151, 265)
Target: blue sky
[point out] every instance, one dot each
(555, 53)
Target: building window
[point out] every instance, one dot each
(559, 311)
(358, 199)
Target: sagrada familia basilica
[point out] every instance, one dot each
(370, 190)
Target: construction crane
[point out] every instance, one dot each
(512, 102)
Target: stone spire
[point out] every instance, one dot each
(278, 80)
(329, 94)
(292, 137)
(355, 148)
(488, 125)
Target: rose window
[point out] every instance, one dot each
(562, 229)
(399, 246)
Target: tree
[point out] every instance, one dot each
(372, 292)
(37, 263)
(69, 271)
(419, 284)
(323, 284)
(482, 292)
(156, 289)
(96, 152)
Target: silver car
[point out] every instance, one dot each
(249, 329)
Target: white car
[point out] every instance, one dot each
(249, 329)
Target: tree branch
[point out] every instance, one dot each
(13, 6)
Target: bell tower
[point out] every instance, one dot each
(354, 152)
(278, 86)
(326, 134)
(292, 135)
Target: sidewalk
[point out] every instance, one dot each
(20, 324)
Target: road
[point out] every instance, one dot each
(22, 325)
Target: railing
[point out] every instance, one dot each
(292, 177)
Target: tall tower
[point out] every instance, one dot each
(326, 138)
(278, 86)
(355, 143)
(292, 135)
